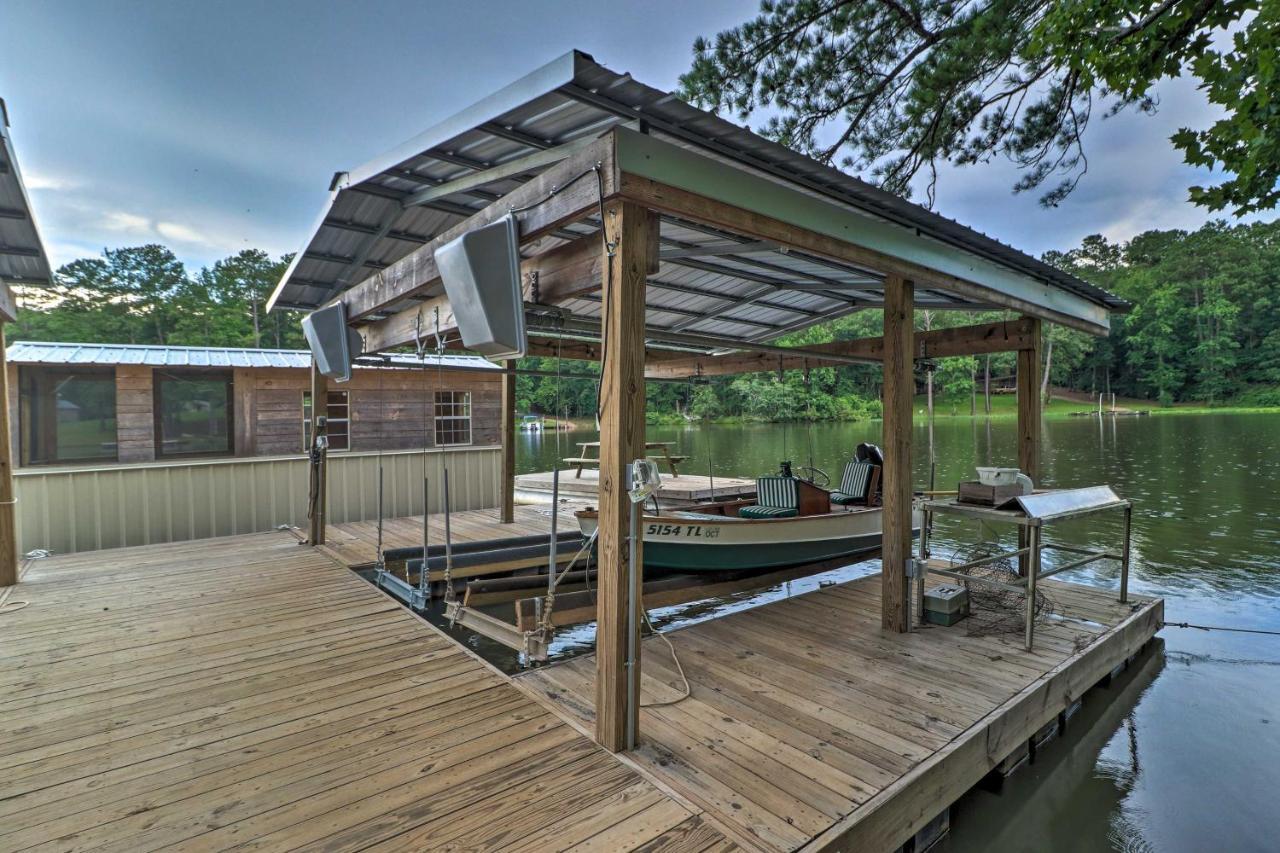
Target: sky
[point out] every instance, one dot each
(213, 127)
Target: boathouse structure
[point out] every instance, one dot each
(666, 242)
(253, 691)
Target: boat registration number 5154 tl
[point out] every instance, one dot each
(694, 530)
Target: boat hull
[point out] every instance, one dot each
(710, 543)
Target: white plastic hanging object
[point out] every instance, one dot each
(645, 480)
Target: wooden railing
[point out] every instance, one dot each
(86, 508)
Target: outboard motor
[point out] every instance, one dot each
(867, 452)
(784, 468)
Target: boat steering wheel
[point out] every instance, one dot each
(808, 472)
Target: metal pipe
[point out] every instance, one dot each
(448, 539)
(982, 561)
(1075, 564)
(1124, 559)
(1019, 588)
(1050, 546)
(426, 527)
(633, 593)
(380, 560)
(1033, 569)
(555, 515)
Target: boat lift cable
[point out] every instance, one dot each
(424, 582)
(382, 419)
(1220, 628)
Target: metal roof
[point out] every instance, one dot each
(739, 288)
(44, 352)
(22, 255)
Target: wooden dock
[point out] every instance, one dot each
(809, 726)
(250, 691)
(355, 544)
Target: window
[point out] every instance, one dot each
(193, 413)
(66, 415)
(453, 417)
(338, 427)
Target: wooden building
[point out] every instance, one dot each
(78, 404)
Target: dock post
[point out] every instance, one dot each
(319, 409)
(507, 512)
(631, 235)
(1029, 419)
(899, 391)
(8, 516)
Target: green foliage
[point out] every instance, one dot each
(892, 88)
(1205, 322)
(143, 295)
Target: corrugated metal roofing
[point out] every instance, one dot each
(22, 255)
(365, 227)
(47, 352)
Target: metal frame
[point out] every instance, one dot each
(1033, 551)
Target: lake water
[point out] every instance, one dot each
(1187, 756)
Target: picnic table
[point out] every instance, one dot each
(584, 457)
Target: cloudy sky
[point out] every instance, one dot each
(213, 127)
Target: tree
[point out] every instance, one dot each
(893, 88)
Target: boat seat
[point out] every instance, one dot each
(776, 497)
(857, 484)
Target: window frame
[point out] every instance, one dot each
(26, 374)
(162, 375)
(438, 420)
(346, 422)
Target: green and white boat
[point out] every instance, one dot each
(723, 536)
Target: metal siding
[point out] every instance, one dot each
(87, 509)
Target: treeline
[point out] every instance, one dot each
(145, 295)
(1205, 327)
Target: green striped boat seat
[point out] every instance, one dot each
(854, 484)
(776, 497)
(767, 512)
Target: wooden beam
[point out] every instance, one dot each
(319, 409)
(507, 512)
(8, 516)
(939, 343)
(1029, 403)
(8, 304)
(899, 393)
(746, 223)
(559, 274)
(1029, 421)
(560, 195)
(633, 231)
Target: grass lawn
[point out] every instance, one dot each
(1006, 406)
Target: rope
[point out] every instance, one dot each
(1219, 628)
(7, 606)
(687, 690)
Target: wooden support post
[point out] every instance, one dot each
(633, 232)
(8, 516)
(899, 393)
(319, 409)
(1030, 404)
(508, 433)
(1029, 416)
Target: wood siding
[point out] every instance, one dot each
(135, 413)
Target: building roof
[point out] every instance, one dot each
(711, 282)
(22, 255)
(47, 352)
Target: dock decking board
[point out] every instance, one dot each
(248, 691)
(355, 543)
(811, 727)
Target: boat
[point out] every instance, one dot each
(715, 537)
